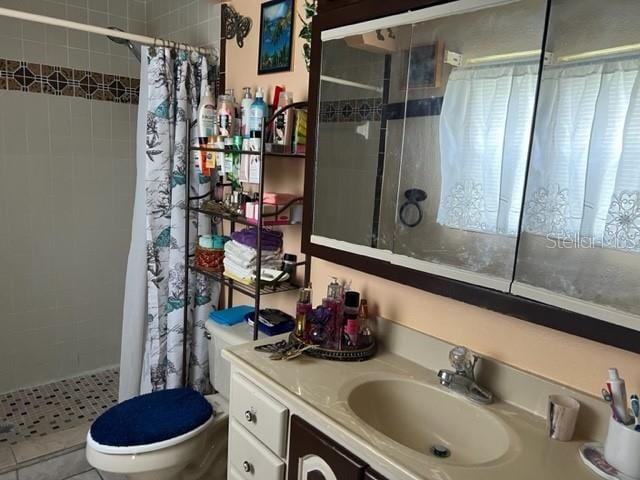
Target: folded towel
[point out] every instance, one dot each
(239, 271)
(230, 316)
(246, 256)
(271, 240)
(244, 281)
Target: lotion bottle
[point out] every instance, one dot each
(207, 116)
(245, 107)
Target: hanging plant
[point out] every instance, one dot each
(310, 9)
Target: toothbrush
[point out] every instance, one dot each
(606, 395)
(635, 408)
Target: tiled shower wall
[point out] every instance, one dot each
(67, 169)
(196, 22)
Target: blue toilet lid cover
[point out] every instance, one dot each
(150, 418)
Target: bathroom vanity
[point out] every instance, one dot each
(312, 419)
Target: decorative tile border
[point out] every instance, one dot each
(54, 80)
(420, 107)
(356, 110)
(376, 109)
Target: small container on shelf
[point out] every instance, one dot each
(210, 252)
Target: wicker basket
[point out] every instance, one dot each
(210, 258)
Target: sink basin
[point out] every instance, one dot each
(421, 417)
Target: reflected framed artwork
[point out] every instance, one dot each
(276, 36)
(424, 64)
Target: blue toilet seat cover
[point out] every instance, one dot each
(150, 418)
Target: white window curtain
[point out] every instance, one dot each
(485, 131)
(584, 179)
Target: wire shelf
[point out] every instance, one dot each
(248, 290)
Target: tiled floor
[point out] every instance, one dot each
(71, 465)
(38, 411)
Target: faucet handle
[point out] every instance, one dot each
(462, 359)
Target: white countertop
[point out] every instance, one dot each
(318, 390)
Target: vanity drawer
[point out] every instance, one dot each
(260, 414)
(249, 458)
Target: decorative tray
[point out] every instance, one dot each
(353, 355)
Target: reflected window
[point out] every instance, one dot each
(581, 219)
(584, 180)
(485, 127)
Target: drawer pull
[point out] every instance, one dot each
(246, 466)
(249, 416)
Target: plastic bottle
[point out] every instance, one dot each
(619, 394)
(351, 320)
(207, 116)
(283, 130)
(226, 115)
(257, 113)
(236, 112)
(245, 107)
(206, 126)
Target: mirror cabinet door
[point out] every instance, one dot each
(580, 240)
(467, 131)
(354, 78)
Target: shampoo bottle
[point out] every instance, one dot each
(257, 113)
(206, 125)
(284, 122)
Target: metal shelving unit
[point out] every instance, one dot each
(258, 288)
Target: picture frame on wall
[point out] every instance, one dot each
(276, 36)
(424, 68)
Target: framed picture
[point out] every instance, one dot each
(424, 68)
(276, 36)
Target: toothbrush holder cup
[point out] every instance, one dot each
(621, 448)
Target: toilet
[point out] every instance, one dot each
(191, 444)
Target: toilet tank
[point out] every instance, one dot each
(223, 336)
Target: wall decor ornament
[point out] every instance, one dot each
(276, 36)
(235, 25)
(310, 10)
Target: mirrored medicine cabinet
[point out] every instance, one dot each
(487, 150)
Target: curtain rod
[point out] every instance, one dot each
(621, 50)
(505, 57)
(349, 83)
(133, 37)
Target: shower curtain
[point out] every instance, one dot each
(153, 331)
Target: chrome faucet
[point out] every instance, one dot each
(463, 379)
